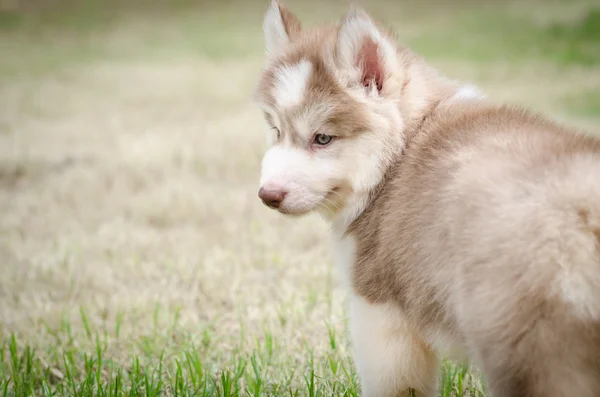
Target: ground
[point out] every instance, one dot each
(136, 256)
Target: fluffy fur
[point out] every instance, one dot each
(461, 226)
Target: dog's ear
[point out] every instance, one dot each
(365, 51)
(280, 27)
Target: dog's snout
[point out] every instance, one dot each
(271, 197)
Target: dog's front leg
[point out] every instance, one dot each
(390, 357)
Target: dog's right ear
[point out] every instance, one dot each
(364, 51)
(280, 27)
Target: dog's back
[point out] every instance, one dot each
(488, 229)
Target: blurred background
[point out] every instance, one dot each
(130, 228)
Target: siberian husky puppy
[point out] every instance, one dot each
(461, 225)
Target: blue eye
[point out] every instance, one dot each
(322, 139)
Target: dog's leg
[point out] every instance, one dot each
(391, 358)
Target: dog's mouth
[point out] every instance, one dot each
(333, 201)
(328, 203)
(294, 211)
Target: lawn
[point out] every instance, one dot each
(136, 256)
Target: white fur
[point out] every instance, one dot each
(291, 83)
(276, 37)
(468, 91)
(344, 253)
(390, 357)
(305, 179)
(354, 206)
(446, 345)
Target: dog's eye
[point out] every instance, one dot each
(322, 139)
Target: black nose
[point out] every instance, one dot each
(271, 198)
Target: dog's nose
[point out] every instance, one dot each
(271, 197)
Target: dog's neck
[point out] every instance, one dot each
(422, 93)
(423, 89)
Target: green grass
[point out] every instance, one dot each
(168, 363)
(191, 369)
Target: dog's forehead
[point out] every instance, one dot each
(295, 78)
(290, 84)
(301, 92)
(309, 102)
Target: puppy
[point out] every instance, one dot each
(463, 227)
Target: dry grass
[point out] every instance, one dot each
(128, 171)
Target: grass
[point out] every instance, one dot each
(188, 373)
(191, 372)
(136, 257)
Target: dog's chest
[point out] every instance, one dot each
(344, 256)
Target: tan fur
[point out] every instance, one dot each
(468, 234)
(484, 228)
(293, 27)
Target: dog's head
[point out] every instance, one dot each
(333, 120)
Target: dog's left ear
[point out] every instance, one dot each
(364, 51)
(280, 27)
